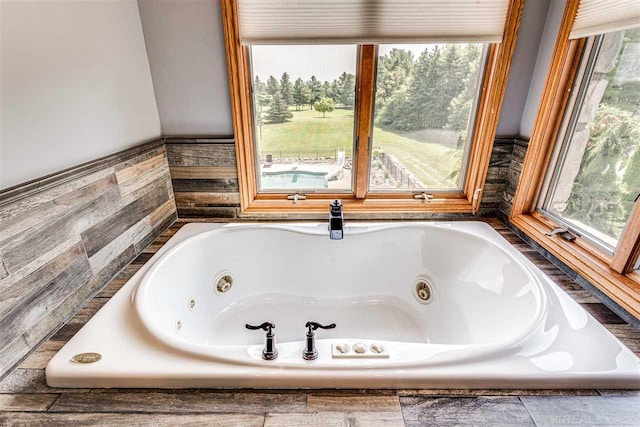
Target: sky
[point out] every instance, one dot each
(326, 62)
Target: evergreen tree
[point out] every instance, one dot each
(394, 70)
(347, 83)
(273, 86)
(326, 90)
(278, 110)
(335, 90)
(262, 98)
(300, 93)
(324, 106)
(460, 106)
(286, 89)
(315, 90)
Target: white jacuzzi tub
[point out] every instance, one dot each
(489, 318)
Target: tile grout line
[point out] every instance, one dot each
(527, 409)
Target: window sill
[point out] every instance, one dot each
(318, 204)
(586, 261)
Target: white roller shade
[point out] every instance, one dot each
(604, 16)
(370, 21)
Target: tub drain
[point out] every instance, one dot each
(423, 291)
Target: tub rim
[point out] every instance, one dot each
(248, 355)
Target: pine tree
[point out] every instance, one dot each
(315, 90)
(278, 110)
(326, 90)
(347, 89)
(273, 86)
(335, 90)
(300, 93)
(261, 97)
(394, 70)
(286, 89)
(460, 107)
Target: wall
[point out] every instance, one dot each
(522, 66)
(188, 63)
(543, 61)
(75, 85)
(186, 52)
(63, 238)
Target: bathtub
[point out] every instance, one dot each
(446, 305)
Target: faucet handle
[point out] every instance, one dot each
(315, 325)
(270, 352)
(266, 326)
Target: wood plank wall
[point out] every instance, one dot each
(63, 238)
(205, 179)
(516, 161)
(204, 176)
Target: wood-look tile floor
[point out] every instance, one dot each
(26, 400)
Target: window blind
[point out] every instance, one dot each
(604, 16)
(370, 21)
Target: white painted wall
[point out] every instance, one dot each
(75, 85)
(543, 61)
(186, 51)
(522, 66)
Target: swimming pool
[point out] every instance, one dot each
(293, 179)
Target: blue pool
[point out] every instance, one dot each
(293, 179)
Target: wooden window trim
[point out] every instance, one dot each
(611, 274)
(253, 203)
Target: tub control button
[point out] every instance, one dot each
(376, 348)
(359, 348)
(343, 348)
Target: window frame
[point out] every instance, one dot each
(611, 273)
(465, 201)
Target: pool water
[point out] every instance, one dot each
(293, 179)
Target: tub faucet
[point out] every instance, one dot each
(336, 220)
(270, 352)
(310, 352)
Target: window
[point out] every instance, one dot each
(321, 111)
(580, 172)
(303, 116)
(425, 99)
(595, 177)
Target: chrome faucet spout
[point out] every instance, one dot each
(336, 220)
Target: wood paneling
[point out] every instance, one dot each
(64, 237)
(204, 178)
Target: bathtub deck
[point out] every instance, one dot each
(26, 400)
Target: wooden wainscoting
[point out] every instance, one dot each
(204, 176)
(205, 182)
(63, 237)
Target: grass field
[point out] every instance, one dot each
(309, 131)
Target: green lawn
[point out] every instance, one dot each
(308, 131)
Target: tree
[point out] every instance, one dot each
(327, 92)
(278, 110)
(460, 106)
(262, 98)
(273, 86)
(259, 122)
(301, 93)
(286, 89)
(347, 83)
(394, 70)
(324, 106)
(315, 90)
